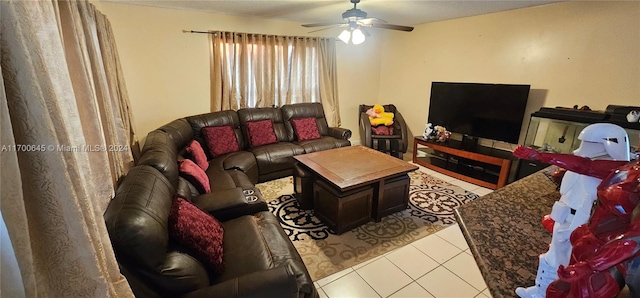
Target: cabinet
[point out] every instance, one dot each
(556, 130)
(484, 166)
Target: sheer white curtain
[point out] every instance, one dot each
(66, 138)
(257, 70)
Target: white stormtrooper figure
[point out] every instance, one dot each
(607, 146)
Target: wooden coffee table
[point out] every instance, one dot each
(354, 184)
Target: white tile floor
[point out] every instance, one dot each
(439, 265)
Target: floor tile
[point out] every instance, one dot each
(464, 266)
(384, 277)
(487, 293)
(412, 261)
(453, 235)
(321, 293)
(413, 290)
(350, 285)
(437, 248)
(442, 283)
(367, 262)
(324, 281)
(482, 191)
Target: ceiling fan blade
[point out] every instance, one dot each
(392, 27)
(368, 21)
(330, 27)
(321, 24)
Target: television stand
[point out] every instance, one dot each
(484, 166)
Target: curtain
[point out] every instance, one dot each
(66, 139)
(257, 70)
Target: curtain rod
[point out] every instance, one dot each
(240, 33)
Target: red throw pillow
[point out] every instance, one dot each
(306, 128)
(382, 130)
(198, 231)
(197, 154)
(261, 132)
(194, 174)
(220, 139)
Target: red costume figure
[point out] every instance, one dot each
(603, 148)
(606, 251)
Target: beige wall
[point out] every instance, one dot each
(167, 71)
(584, 53)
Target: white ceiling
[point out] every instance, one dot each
(400, 12)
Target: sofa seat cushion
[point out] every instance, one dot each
(276, 157)
(321, 144)
(269, 248)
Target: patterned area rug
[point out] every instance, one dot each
(431, 206)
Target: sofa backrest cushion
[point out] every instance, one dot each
(160, 152)
(137, 217)
(221, 118)
(179, 131)
(304, 110)
(257, 114)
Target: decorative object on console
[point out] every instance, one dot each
(220, 139)
(195, 175)
(633, 116)
(437, 133)
(603, 147)
(606, 251)
(196, 153)
(197, 231)
(377, 116)
(305, 128)
(261, 132)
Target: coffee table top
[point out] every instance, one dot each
(353, 166)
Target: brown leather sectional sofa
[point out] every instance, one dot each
(259, 259)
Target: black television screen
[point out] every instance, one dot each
(490, 111)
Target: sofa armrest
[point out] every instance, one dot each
(403, 131)
(340, 133)
(274, 282)
(229, 203)
(365, 130)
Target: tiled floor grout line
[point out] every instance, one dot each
(365, 281)
(463, 279)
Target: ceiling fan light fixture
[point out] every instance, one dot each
(357, 36)
(345, 36)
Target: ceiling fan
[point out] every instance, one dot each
(356, 20)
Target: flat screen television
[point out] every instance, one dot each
(479, 110)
